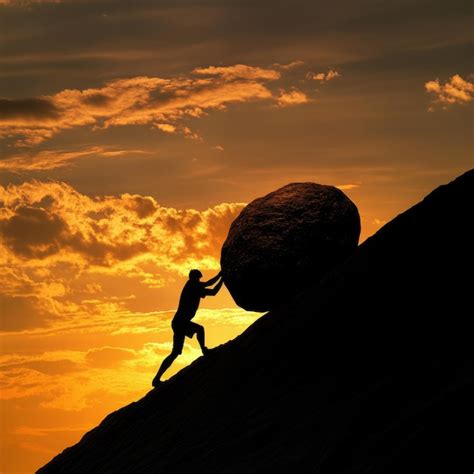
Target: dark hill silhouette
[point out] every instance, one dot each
(368, 370)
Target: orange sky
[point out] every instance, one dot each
(130, 138)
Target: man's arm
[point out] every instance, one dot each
(214, 290)
(212, 280)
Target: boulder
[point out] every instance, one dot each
(286, 240)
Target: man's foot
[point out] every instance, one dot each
(156, 382)
(205, 350)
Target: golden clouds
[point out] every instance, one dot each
(166, 104)
(67, 369)
(60, 248)
(141, 100)
(39, 220)
(455, 91)
(36, 233)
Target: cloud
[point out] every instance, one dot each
(143, 206)
(348, 186)
(293, 97)
(323, 76)
(25, 3)
(165, 103)
(239, 71)
(287, 67)
(43, 431)
(24, 111)
(67, 379)
(32, 232)
(52, 159)
(166, 127)
(455, 91)
(20, 312)
(58, 248)
(38, 220)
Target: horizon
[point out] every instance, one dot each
(131, 138)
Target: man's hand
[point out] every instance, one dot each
(213, 280)
(215, 290)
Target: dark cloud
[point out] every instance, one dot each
(18, 313)
(38, 233)
(28, 110)
(33, 232)
(143, 206)
(102, 253)
(97, 100)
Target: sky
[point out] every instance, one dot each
(131, 136)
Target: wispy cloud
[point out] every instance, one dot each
(348, 186)
(166, 103)
(51, 159)
(292, 65)
(66, 379)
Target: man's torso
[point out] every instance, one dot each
(189, 301)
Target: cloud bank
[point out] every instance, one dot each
(164, 103)
(60, 248)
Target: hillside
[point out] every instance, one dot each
(367, 371)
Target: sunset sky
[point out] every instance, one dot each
(133, 133)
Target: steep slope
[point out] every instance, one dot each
(367, 371)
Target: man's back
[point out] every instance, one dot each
(189, 300)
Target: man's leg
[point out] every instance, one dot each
(200, 335)
(164, 367)
(178, 342)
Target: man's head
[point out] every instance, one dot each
(195, 275)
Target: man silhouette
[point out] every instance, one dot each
(182, 325)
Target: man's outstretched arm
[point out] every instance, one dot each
(214, 290)
(212, 280)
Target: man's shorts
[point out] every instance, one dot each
(181, 331)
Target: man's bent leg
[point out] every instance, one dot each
(200, 335)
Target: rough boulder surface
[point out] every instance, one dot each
(285, 240)
(369, 370)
